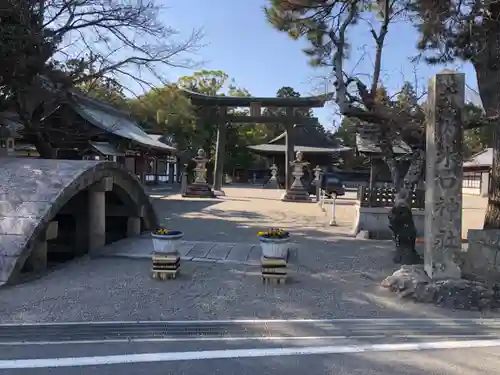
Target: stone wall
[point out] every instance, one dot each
(375, 220)
(481, 259)
(32, 191)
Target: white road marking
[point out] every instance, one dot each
(238, 353)
(391, 321)
(228, 339)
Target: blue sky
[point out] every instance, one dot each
(239, 41)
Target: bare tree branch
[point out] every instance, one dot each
(85, 42)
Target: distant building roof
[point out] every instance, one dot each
(368, 146)
(112, 120)
(307, 136)
(481, 159)
(268, 148)
(306, 139)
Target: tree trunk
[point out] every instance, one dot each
(210, 165)
(492, 217)
(488, 83)
(31, 120)
(487, 66)
(43, 147)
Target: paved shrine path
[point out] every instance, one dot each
(243, 212)
(224, 230)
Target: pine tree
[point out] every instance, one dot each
(451, 31)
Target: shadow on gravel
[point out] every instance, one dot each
(181, 206)
(219, 223)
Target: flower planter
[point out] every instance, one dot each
(167, 243)
(274, 247)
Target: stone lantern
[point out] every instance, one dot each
(297, 191)
(199, 188)
(272, 183)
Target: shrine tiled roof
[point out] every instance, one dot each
(481, 159)
(98, 113)
(114, 121)
(306, 139)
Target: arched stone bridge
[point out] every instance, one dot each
(62, 206)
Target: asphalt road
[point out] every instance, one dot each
(422, 347)
(195, 358)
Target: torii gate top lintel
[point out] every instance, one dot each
(248, 101)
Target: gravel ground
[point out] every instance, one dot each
(335, 276)
(338, 281)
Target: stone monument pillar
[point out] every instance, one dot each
(199, 188)
(272, 183)
(297, 192)
(444, 173)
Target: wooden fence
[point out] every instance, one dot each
(384, 197)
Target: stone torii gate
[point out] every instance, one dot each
(255, 104)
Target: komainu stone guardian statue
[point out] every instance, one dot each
(402, 225)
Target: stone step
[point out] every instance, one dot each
(204, 251)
